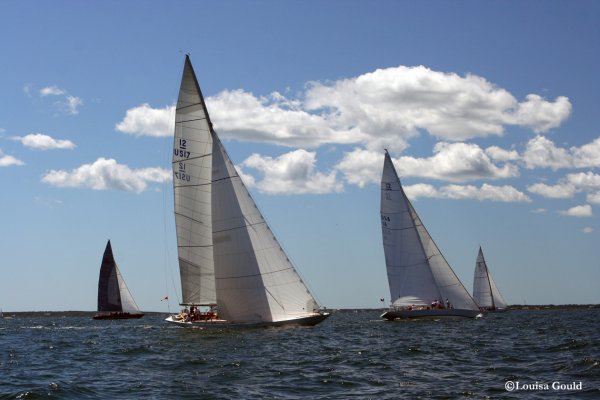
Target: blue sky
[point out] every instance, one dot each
(489, 109)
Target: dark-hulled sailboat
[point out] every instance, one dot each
(422, 283)
(233, 271)
(114, 299)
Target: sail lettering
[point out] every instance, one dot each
(182, 150)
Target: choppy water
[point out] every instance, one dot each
(350, 355)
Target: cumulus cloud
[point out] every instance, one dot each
(587, 229)
(454, 162)
(380, 109)
(569, 185)
(593, 198)
(578, 211)
(498, 154)
(7, 161)
(105, 174)
(39, 141)
(541, 152)
(485, 192)
(291, 173)
(72, 104)
(145, 120)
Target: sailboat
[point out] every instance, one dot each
(114, 299)
(422, 283)
(233, 270)
(485, 291)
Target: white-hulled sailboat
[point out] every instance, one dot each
(114, 299)
(485, 292)
(422, 283)
(233, 270)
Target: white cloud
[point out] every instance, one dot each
(71, 104)
(454, 162)
(578, 211)
(291, 173)
(361, 167)
(559, 191)
(587, 229)
(488, 192)
(39, 141)
(7, 161)
(541, 152)
(498, 154)
(380, 109)
(50, 91)
(593, 198)
(145, 120)
(587, 155)
(539, 210)
(105, 174)
(568, 186)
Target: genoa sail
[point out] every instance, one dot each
(418, 273)
(485, 291)
(228, 255)
(113, 294)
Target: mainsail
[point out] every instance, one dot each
(113, 294)
(418, 273)
(228, 255)
(485, 291)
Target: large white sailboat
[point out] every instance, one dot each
(422, 283)
(233, 270)
(485, 291)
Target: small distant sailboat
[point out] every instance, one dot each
(485, 291)
(114, 299)
(422, 283)
(233, 270)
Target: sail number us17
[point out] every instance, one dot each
(181, 151)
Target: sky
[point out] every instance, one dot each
(488, 109)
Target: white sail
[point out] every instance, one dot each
(228, 255)
(418, 273)
(485, 291)
(192, 176)
(127, 302)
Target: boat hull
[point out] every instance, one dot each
(118, 315)
(430, 314)
(310, 320)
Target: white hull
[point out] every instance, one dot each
(310, 320)
(430, 314)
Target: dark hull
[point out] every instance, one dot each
(219, 323)
(430, 314)
(118, 315)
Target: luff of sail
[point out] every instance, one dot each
(113, 294)
(418, 273)
(227, 253)
(485, 291)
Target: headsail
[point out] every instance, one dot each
(113, 294)
(485, 291)
(227, 253)
(417, 271)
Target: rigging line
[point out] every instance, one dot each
(191, 158)
(239, 227)
(188, 106)
(258, 274)
(190, 218)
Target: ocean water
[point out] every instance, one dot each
(353, 354)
